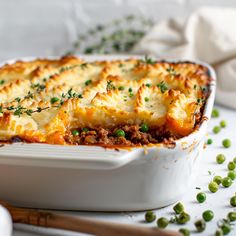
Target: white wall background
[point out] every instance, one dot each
(49, 27)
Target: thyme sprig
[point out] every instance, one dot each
(148, 60)
(162, 86)
(118, 36)
(172, 72)
(110, 85)
(20, 110)
(70, 94)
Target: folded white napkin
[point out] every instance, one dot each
(208, 35)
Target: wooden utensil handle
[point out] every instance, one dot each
(83, 225)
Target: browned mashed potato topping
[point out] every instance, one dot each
(122, 102)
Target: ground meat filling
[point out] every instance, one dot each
(126, 135)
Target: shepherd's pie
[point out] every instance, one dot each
(122, 102)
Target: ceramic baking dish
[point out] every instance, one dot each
(98, 179)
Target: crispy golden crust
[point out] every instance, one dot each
(42, 99)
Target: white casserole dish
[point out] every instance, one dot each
(98, 179)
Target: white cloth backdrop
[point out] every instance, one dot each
(209, 35)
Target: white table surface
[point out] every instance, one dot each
(218, 202)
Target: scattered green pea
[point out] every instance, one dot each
(184, 232)
(232, 216)
(209, 141)
(217, 179)
(75, 132)
(223, 124)
(231, 165)
(215, 113)
(183, 218)
(208, 215)
(226, 143)
(119, 133)
(162, 222)
(233, 201)
(178, 208)
(144, 127)
(232, 174)
(150, 216)
(216, 129)
(200, 225)
(219, 232)
(234, 160)
(220, 158)
(213, 186)
(226, 228)
(201, 197)
(227, 182)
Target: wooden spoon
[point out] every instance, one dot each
(80, 224)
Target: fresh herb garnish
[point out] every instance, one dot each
(171, 71)
(84, 66)
(2, 82)
(110, 85)
(39, 87)
(17, 99)
(29, 95)
(88, 82)
(162, 86)
(148, 60)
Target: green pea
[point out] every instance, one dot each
(85, 130)
(213, 187)
(227, 182)
(223, 124)
(121, 88)
(232, 174)
(233, 201)
(220, 158)
(208, 215)
(219, 232)
(144, 128)
(226, 143)
(75, 132)
(54, 100)
(184, 232)
(232, 216)
(231, 165)
(226, 228)
(216, 129)
(150, 216)
(183, 218)
(201, 197)
(215, 113)
(162, 222)
(209, 141)
(88, 82)
(217, 179)
(178, 208)
(119, 133)
(200, 225)
(234, 160)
